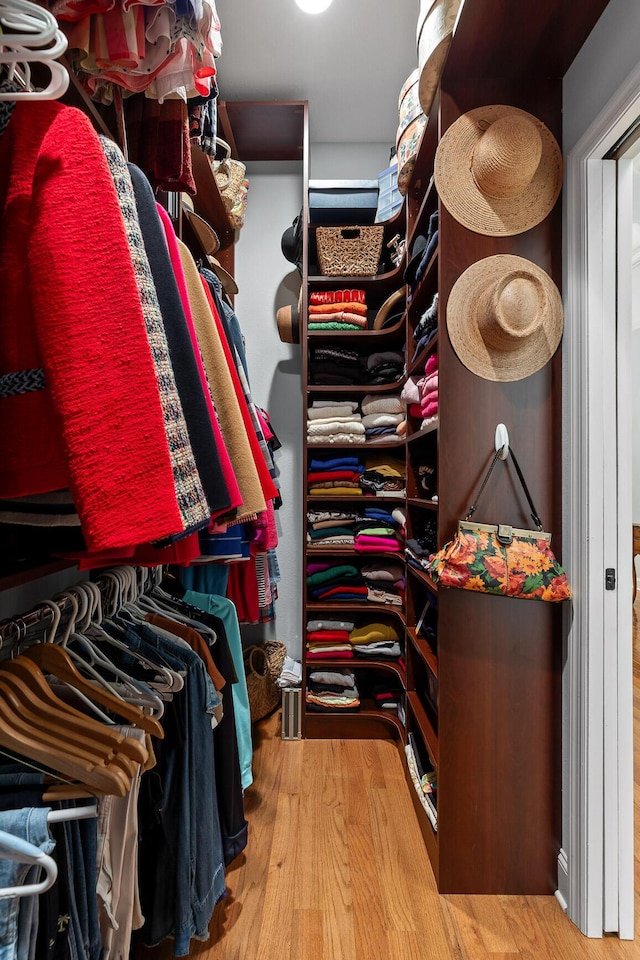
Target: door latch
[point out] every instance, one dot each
(610, 578)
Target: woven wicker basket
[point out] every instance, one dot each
(263, 694)
(349, 251)
(276, 651)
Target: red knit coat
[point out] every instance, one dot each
(69, 305)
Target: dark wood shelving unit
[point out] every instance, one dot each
(422, 504)
(424, 725)
(424, 649)
(394, 387)
(424, 432)
(417, 365)
(423, 577)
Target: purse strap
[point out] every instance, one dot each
(474, 506)
(225, 146)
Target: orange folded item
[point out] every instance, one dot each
(352, 307)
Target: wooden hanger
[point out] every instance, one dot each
(31, 684)
(16, 736)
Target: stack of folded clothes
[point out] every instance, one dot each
(337, 582)
(385, 366)
(423, 543)
(384, 581)
(382, 416)
(331, 528)
(377, 641)
(337, 310)
(426, 328)
(335, 421)
(379, 530)
(335, 364)
(386, 696)
(421, 394)
(335, 477)
(329, 640)
(329, 691)
(383, 476)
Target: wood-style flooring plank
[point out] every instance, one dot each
(336, 869)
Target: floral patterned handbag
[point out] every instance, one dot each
(500, 559)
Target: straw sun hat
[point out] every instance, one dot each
(504, 318)
(498, 170)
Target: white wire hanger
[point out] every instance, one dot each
(30, 34)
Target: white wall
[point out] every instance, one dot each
(267, 281)
(603, 64)
(352, 161)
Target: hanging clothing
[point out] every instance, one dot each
(226, 611)
(207, 447)
(79, 403)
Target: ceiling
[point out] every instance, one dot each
(349, 62)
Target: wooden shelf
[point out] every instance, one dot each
(417, 365)
(207, 201)
(429, 657)
(393, 387)
(378, 445)
(368, 608)
(264, 130)
(27, 574)
(423, 504)
(430, 428)
(424, 578)
(352, 552)
(429, 835)
(424, 726)
(429, 200)
(395, 275)
(365, 724)
(359, 664)
(366, 498)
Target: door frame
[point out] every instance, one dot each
(596, 862)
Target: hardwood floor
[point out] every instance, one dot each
(336, 870)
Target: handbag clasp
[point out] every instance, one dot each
(505, 534)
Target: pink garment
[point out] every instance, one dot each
(432, 364)
(430, 410)
(225, 462)
(264, 426)
(430, 382)
(428, 398)
(364, 542)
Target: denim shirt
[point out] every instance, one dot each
(30, 824)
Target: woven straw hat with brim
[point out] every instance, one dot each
(288, 320)
(504, 318)
(498, 170)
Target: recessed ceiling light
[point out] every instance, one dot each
(313, 6)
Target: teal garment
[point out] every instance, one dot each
(340, 570)
(206, 578)
(225, 610)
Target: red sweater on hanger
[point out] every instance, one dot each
(79, 404)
